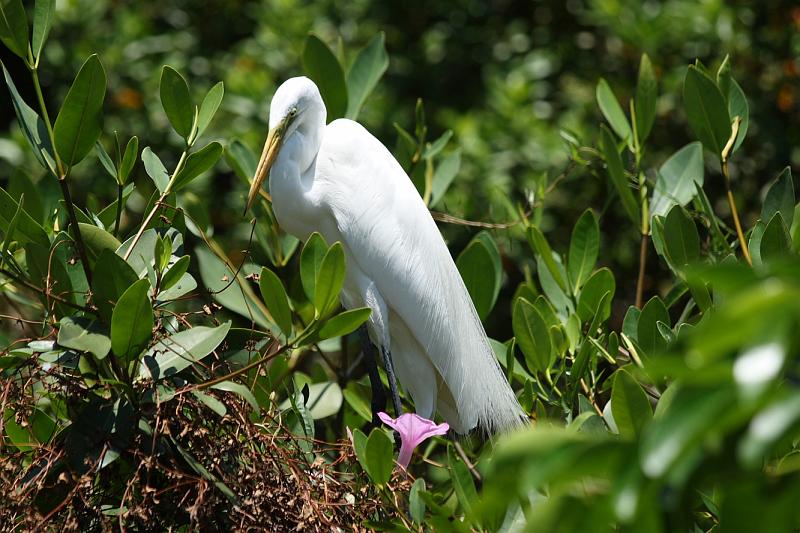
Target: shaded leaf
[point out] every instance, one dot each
(645, 101)
(132, 322)
(129, 160)
(275, 298)
(324, 69)
(617, 174)
(629, 405)
(647, 334)
(172, 354)
(780, 198)
(176, 101)
(583, 248)
(112, 277)
(344, 323)
(367, 68)
(590, 297)
(44, 12)
(329, 279)
(14, 27)
(197, 163)
(706, 110)
(83, 335)
(532, 334)
(444, 175)
(481, 270)
(378, 456)
(209, 106)
(612, 111)
(678, 179)
(539, 244)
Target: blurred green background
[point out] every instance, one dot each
(508, 77)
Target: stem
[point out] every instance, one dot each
(119, 209)
(738, 225)
(642, 268)
(726, 151)
(55, 297)
(62, 177)
(157, 205)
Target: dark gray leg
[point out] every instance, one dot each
(389, 366)
(378, 393)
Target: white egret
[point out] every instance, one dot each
(341, 181)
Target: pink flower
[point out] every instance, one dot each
(413, 430)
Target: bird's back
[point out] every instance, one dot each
(390, 234)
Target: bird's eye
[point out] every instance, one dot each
(293, 112)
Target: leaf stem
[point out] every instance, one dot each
(157, 205)
(642, 268)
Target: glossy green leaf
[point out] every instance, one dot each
(80, 120)
(738, 107)
(105, 159)
(172, 354)
(645, 101)
(97, 239)
(275, 298)
(780, 198)
(364, 74)
(416, 505)
(112, 277)
(706, 110)
(583, 248)
(209, 106)
(344, 323)
(678, 179)
(681, 240)
(539, 244)
(532, 334)
(14, 27)
(647, 334)
(629, 405)
(598, 284)
(155, 169)
(176, 101)
(463, 484)
(27, 229)
(83, 335)
(775, 242)
(44, 12)
(241, 159)
(197, 163)
(132, 322)
(378, 456)
(481, 270)
(324, 69)
(32, 126)
(617, 174)
(443, 176)
(612, 111)
(241, 390)
(329, 279)
(129, 160)
(175, 273)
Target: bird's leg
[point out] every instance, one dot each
(387, 363)
(378, 393)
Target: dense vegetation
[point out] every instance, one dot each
(613, 186)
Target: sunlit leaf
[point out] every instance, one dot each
(364, 74)
(176, 101)
(324, 69)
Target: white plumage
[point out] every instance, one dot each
(341, 181)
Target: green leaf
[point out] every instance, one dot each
(583, 248)
(356, 400)
(463, 484)
(176, 101)
(97, 239)
(767, 429)
(539, 244)
(155, 169)
(416, 505)
(678, 179)
(112, 277)
(612, 111)
(27, 229)
(322, 66)
(32, 126)
(83, 335)
(44, 12)
(629, 405)
(132, 322)
(738, 107)
(481, 269)
(105, 159)
(241, 159)
(172, 354)
(378, 456)
(14, 27)
(209, 107)
(681, 240)
(129, 160)
(12, 229)
(275, 298)
(197, 163)
(444, 175)
(367, 68)
(647, 334)
(645, 102)
(775, 242)
(241, 390)
(532, 335)
(344, 323)
(433, 149)
(233, 294)
(706, 110)
(80, 120)
(211, 402)
(324, 399)
(329, 279)
(598, 284)
(780, 198)
(617, 174)
(175, 273)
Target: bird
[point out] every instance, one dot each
(339, 180)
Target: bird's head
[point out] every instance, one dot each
(294, 99)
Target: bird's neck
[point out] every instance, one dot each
(307, 139)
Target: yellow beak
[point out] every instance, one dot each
(271, 148)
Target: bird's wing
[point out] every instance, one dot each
(390, 233)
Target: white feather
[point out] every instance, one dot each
(341, 181)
